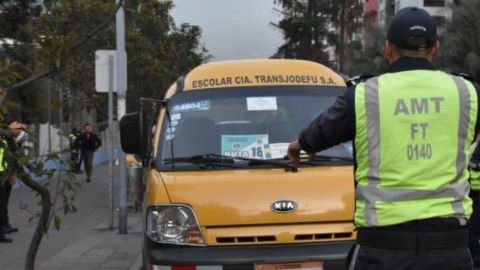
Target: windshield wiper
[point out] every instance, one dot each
(226, 161)
(253, 161)
(203, 160)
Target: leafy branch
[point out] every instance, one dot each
(63, 59)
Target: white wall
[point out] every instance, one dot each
(57, 139)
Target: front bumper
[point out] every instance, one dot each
(333, 254)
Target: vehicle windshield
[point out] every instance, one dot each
(248, 122)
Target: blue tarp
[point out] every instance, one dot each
(99, 158)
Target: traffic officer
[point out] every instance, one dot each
(411, 129)
(75, 155)
(4, 195)
(18, 131)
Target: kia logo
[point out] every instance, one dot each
(284, 206)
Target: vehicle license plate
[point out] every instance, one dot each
(290, 266)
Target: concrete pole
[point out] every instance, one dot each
(60, 121)
(110, 136)
(121, 110)
(49, 105)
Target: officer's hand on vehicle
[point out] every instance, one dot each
(294, 150)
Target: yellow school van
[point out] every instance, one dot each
(220, 193)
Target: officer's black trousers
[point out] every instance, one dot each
(371, 258)
(437, 244)
(78, 162)
(474, 244)
(5, 190)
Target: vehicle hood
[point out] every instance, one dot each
(245, 197)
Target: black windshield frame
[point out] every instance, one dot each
(237, 92)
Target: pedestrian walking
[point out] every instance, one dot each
(89, 143)
(411, 130)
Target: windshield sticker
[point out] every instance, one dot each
(203, 105)
(248, 146)
(169, 137)
(176, 117)
(276, 150)
(171, 130)
(262, 103)
(174, 123)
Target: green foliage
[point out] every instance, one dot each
(64, 188)
(310, 26)
(58, 222)
(460, 50)
(24, 159)
(367, 57)
(158, 51)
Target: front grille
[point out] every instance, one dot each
(324, 236)
(246, 239)
(272, 239)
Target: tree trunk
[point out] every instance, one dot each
(42, 221)
(45, 196)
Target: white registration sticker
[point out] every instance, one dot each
(262, 103)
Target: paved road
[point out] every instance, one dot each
(84, 242)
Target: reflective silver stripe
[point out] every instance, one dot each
(462, 221)
(368, 193)
(354, 258)
(464, 122)
(373, 135)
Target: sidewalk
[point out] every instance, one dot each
(84, 241)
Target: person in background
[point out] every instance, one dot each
(75, 152)
(89, 142)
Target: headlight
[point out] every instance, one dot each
(174, 225)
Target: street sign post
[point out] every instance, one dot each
(105, 74)
(121, 93)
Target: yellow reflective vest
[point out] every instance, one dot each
(413, 134)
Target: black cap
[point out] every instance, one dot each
(413, 29)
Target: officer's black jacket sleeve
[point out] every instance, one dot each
(475, 159)
(78, 140)
(332, 127)
(477, 126)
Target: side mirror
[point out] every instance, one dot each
(134, 133)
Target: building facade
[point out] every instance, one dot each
(438, 9)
